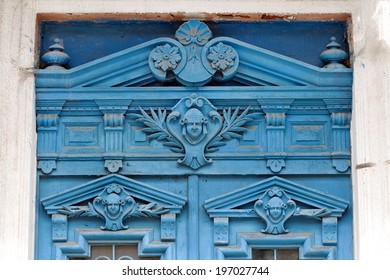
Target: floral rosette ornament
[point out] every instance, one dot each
(166, 57)
(221, 56)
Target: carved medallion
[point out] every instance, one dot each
(194, 128)
(275, 207)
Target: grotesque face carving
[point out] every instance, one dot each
(194, 127)
(276, 209)
(113, 204)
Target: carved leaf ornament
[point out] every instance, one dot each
(114, 205)
(194, 128)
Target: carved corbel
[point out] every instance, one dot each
(329, 230)
(59, 224)
(221, 231)
(168, 227)
(340, 111)
(47, 127)
(275, 113)
(113, 119)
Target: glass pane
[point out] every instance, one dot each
(262, 254)
(101, 252)
(130, 252)
(126, 252)
(122, 252)
(287, 254)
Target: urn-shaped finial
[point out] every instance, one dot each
(333, 55)
(55, 58)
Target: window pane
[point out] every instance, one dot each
(262, 254)
(275, 254)
(115, 252)
(287, 254)
(101, 252)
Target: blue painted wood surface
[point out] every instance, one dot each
(139, 147)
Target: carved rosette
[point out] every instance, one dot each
(193, 59)
(221, 57)
(166, 57)
(221, 60)
(275, 207)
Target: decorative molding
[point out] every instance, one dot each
(92, 189)
(83, 238)
(113, 165)
(47, 127)
(193, 59)
(319, 204)
(47, 166)
(113, 120)
(340, 111)
(275, 111)
(275, 200)
(246, 241)
(276, 164)
(194, 128)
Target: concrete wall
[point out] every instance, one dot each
(370, 45)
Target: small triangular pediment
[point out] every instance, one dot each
(233, 204)
(92, 189)
(194, 63)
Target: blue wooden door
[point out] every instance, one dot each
(194, 147)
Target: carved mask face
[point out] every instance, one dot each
(193, 121)
(113, 205)
(275, 208)
(194, 130)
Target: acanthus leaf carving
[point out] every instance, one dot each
(194, 128)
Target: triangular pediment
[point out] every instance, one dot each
(316, 202)
(194, 63)
(92, 189)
